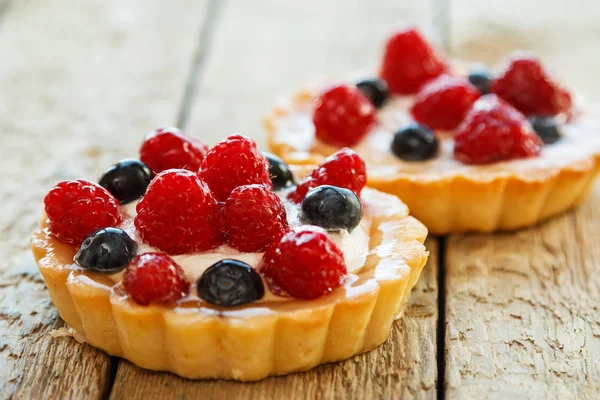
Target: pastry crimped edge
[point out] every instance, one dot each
(464, 203)
(221, 343)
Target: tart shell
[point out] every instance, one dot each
(196, 340)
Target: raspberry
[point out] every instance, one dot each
(409, 61)
(526, 85)
(494, 131)
(155, 278)
(254, 215)
(77, 208)
(179, 214)
(305, 263)
(167, 148)
(443, 102)
(344, 169)
(342, 115)
(234, 162)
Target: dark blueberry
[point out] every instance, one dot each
(230, 283)
(481, 78)
(332, 208)
(414, 142)
(375, 90)
(127, 180)
(546, 128)
(107, 250)
(280, 173)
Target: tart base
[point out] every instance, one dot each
(250, 342)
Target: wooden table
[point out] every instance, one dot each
(517, 315)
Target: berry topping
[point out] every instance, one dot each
(77, 208)
(167, 148)
(127, 180)
(155, 278)
(254, 215)
(305, 263)
(409, 61)
(344, 169)
(280, 173)
(342, 115)
(526, 85)
(376, 90)
(443, 102)
(234, 162)
(546, 128)
(230, 283)
(179, 214)
(481, 78)
(107, 250)
(331, 208)
(414, 142)
(494, 131)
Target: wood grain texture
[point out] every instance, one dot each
(403, 367)
(81, 85)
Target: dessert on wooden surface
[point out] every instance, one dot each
(466, 150)
(214, 263)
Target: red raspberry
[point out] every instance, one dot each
(344, 169)
(77, 208)
(494, 131)
(155, 278)
(305, 263)
(409, 61)
(167, 148)
(443, 102)
(254, 215)
(179, 214)
(234, 162)
(342, 115)
(526, 85)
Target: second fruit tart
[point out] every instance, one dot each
(211, 263)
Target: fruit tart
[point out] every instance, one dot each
(465, 148)
(213, 263)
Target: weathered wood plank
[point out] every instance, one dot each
(81, 84)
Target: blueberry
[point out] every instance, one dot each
(481, 78)
(127, 180)
(376, 90)
(414, 142)
(332, 208)
(280, 173)
(546, 128)
(230, 283)
(107, 250)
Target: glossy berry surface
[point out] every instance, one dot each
(546, 128)
(526, 85)
(342, 115)
(443, 102)
(254, 215)
(127, 180)
(376, 90)
(481, 78)
(414, 143)
(107, 250)
(230, 283)
(234, 161)
(494, 131)
(179, 214)
(279, 172)
(77, 208)
(409, 61)
(167, 148)
(343, 168)
(331, 208)
(155, 278)
(305, 264)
